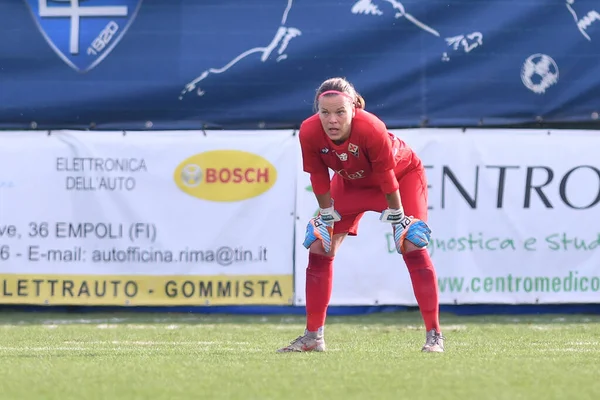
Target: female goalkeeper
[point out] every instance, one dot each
(374, 171)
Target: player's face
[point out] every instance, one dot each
(336, 113)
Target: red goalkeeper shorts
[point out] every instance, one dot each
(352, 201)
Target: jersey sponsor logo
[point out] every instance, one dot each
(352, 175)
(225, 175)
(83, 32)
(353, 149)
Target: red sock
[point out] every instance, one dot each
(425, 286)
(319, 283)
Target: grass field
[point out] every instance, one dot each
(189, 356)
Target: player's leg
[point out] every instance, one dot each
(319, 285)
(319, 273)
(413, 190)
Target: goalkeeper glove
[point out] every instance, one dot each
(406, 228)
(321, 228)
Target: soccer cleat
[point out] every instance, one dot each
(434, 342)
(307, 342)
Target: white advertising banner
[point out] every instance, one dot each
(147, 218)
(515, 216)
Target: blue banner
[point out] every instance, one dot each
(187, 64)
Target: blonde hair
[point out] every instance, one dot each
(339, 85)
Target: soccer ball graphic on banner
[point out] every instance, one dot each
(539, 72)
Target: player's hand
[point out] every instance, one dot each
(321, 228)
(406, 228)
(317, 229)
(417, 232)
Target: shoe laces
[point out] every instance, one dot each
(298, 339)
(435, 338)
(303, 339)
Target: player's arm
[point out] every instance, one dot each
(381, 156)
(313, 164)
(394, 200)
(382, 161)
(321, 187)
(405, 228)
(389, 186)
(319, 179)
(320, 227)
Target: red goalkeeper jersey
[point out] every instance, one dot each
(371, 156)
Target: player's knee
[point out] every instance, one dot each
(409, 246)
(336, 241)
(317, 248)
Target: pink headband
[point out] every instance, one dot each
(336, 92)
